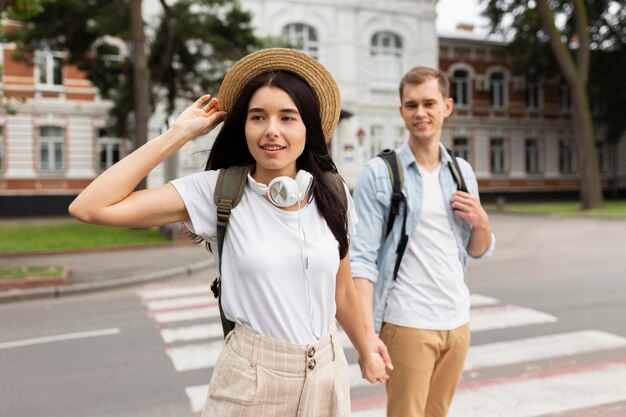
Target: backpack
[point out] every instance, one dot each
(229, 188)
(397, 197)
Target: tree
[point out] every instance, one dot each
(192, 42)
(568, 30)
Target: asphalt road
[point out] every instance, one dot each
(550, 283)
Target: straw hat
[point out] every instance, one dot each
(310, 70)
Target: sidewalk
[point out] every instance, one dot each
(107, 268)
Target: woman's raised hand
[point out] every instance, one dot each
(200, 118)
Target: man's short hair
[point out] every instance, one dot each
(419, 75)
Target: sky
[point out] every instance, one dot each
(452, 12)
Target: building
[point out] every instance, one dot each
(516, 134)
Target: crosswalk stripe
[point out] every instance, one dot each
(197, 396)
(171, 292)
(501, 317)
(194, 357)
(190, 333)
(528, 397)
(543, 395)
(477, 300)
(190, 314)
(538, 348)
(181, 302)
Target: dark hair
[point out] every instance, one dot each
(231, 149)
(419, 75)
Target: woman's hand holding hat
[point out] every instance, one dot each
(200, 118)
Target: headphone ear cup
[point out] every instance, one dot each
(283, 191)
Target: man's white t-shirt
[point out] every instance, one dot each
(279, 267)
(430, 290)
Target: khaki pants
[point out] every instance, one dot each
(256, 376)
(427, 367)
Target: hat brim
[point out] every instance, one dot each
(306, 67)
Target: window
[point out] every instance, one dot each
(49, 68)
(376, 133)
(460, 146)
(533, 99)
(497, 156)
(532, 156)
(386, 53)
(460, 88)
(51, 152)
(302, 37)
(566, 156)
(497, 90)
(109, 150)
(564, 98)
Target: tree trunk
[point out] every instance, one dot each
(141, 76)
(590, 183)
(576, 74)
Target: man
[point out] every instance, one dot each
(423, 313)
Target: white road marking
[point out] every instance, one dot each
(536, 396)
(59, 338)
(538, 348)
(171, 292)
(181, 302)
(197, 396)
(197, 356)
(506, 316)
(477, 300)
(186, 334)
(191, 314)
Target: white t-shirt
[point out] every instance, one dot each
(430, 290)
(266, 250)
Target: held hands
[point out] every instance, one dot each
(467, 206)
(374, 369)
(200, 118)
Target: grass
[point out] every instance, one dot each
(22, 272)
(610, 208)
(45, 237)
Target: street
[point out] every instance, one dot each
(548, 337)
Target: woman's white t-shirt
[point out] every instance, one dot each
(279, 267)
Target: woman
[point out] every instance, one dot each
(285, 268)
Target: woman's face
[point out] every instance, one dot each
(275, 133)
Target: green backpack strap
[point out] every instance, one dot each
(229, 188)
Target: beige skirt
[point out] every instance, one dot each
(256, 376)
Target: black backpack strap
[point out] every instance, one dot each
(397, 179)
(397, 198)
(455, 170)
(229, 188)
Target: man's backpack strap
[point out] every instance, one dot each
(396, 176)
(455, 170)
(228, 191)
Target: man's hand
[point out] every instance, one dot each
(467, 206)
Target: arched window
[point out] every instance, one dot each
(302, 37)
(460, 88)
(386, 53)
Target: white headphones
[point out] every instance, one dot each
(284, 191)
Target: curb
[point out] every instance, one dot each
(64, 290)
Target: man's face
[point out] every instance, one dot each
(424, 109)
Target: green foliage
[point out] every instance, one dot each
(610, 208)
(23, 272)
(27, 238)
(192, 44)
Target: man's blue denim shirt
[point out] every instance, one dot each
(371, 255)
